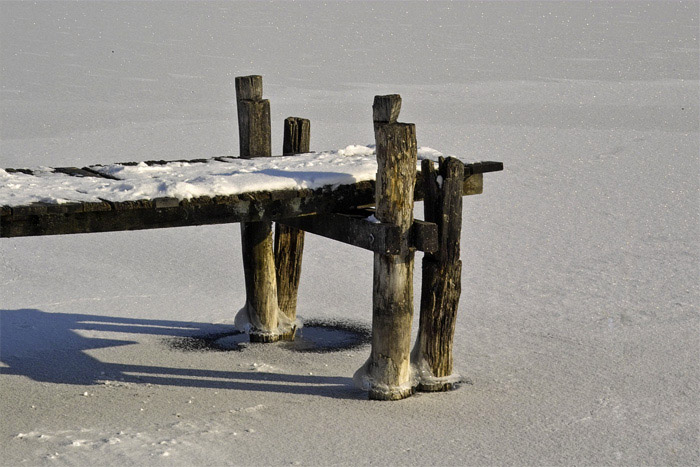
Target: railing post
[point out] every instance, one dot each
(260, 316)
(442, 271)
(289, 241)
(388, 374)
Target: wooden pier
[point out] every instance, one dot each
(374, 214)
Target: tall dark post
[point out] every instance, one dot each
(289, 241)
(442, 272)
(261, 309)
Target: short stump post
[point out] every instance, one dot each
(289, 241)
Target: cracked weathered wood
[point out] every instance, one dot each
(289, 241)
(385, 109)
(253, 118)
(424, 236)
(442, 271)
(352, 229)
(256, 237)
(297, 136)
(388, 370)
(249, 88)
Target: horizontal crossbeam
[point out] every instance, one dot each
(360, 229)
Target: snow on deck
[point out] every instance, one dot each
(186, 180)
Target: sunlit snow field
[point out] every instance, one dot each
(578, 332)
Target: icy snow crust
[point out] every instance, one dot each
(578, 323)
(186, 180)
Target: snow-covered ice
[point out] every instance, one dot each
(578, 327)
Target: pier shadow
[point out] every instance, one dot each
(54, 348)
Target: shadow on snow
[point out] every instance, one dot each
(52, 347)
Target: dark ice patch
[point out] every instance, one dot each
(321, 336)
(316, 336)
(219, 342)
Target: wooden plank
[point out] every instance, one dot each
(76, 172)
(22, 171)
(352, 229)
(424, 236)
(153, 163)
(482, 167)
(36, 219)
(473, 185)
(99, 174)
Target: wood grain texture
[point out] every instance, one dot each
(385, 109)
(256, 237)
(442, 270)
(297, 136)
(260, 282)
(289, 248)
(289, 240)
(254, 128)
(389, 368)
(249, 88)
(352, 229)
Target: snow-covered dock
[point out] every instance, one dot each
(319, 193)
(153, 194)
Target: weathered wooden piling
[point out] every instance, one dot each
(297, 136)
(442, 271)
(261, 309)
(388, 372)
(289, 241)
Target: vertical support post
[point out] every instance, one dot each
(442, 271)
(388, 374)
(289, 241)
(261, 312)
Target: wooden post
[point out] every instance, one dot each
(289, 241)
(442, 271)
(297, 136)
(261, 312)
(388, 374)
(253, 118)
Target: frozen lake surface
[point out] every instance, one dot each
(578, 327)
